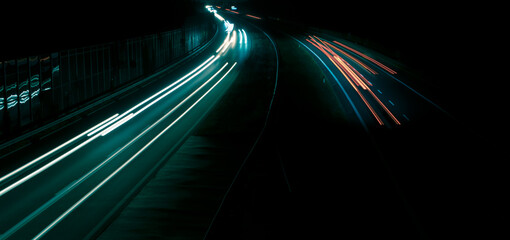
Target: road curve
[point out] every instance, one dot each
(65, 188)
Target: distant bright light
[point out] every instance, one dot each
(229, 26)
(233, 7)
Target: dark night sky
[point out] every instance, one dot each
(423, 34)
(410, 28)
(453, 46)
(451, 43)
(41, 27)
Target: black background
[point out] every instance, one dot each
(455, 46)
(42, 27)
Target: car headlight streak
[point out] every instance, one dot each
(219, 17)
(231, 33)
(242, 36)
(212, 77)
(102, 183)
(110, 124)
(103, 128)
(171, 87)
(228, 26)
(245, 37)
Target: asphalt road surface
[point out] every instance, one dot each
(82, 173)
(345, 119)
(358, 146)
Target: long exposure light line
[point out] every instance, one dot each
(73, 185)
(56, 149)
(352, 76)
(110, 124)
(252, 16)
(172, 86)
(224, 42)
(349, 56)
(338, 63)
(96, 188)
(367, 57)
(245, 37)
(178, 86)
(46, 166)
(354, 108)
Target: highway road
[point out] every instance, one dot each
(373, 90)
(358, 146)
(72, 182)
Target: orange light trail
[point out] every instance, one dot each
(354, 59)
(336, 60)
(232, 11)
(354, 78)
(368, 58)
(253, 16)
(353, 73)
(346, 54)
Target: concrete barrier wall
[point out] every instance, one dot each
(37, 89)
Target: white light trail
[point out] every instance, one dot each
(219, 16)
(229, 26)
(110, 124)
(245, 38)
(117, 124)
(233, 40)
(73, 185)
(96, 188)
(230, 41)
(224, 42)
(36, 172)
(106, 124)
(55, 149)
(178, 86)
(155, 95)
